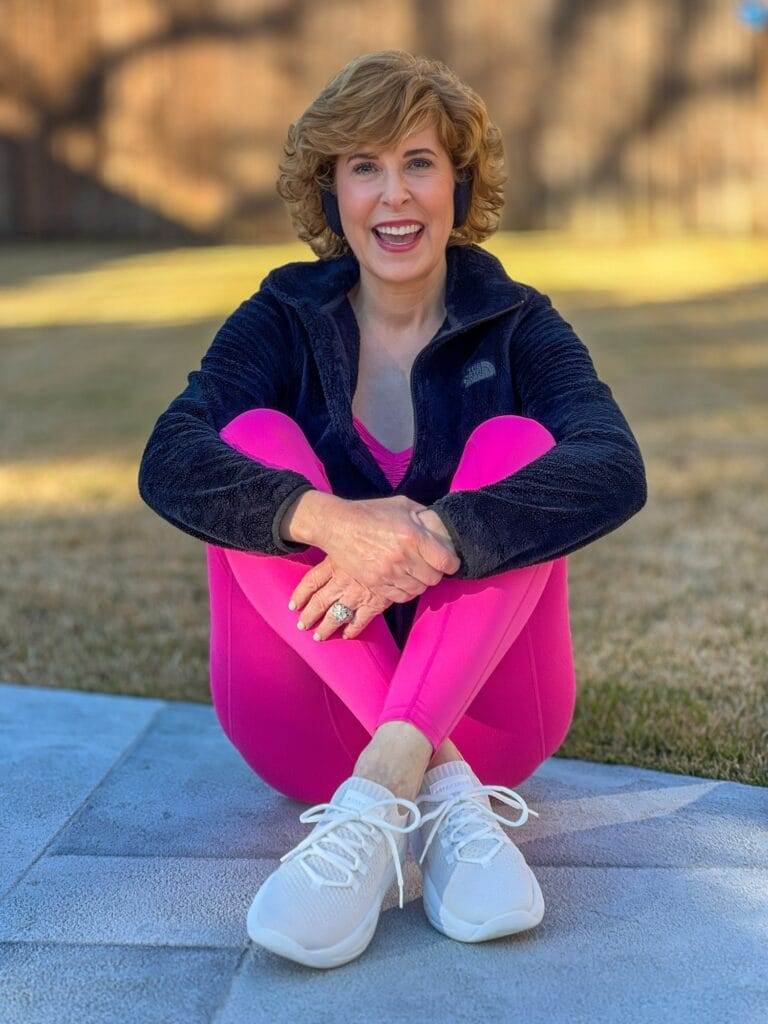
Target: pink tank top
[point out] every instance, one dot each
(393, 464)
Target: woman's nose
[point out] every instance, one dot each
(395, 190)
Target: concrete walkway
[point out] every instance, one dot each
(133, 838)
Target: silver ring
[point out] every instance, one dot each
(341, 612)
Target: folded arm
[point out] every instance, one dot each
(194, 479)
(587, 485)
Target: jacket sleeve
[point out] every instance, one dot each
(589, 483)
(194, 479)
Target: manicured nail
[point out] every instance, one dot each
(316, 636)
(292, 605)
(299, 624)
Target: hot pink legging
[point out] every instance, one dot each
(487, 662)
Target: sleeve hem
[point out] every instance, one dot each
(446, 518)
(288, 546)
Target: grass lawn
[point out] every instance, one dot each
(669, 615)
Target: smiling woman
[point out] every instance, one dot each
(404, 330)
(418, 177)
(407, 122)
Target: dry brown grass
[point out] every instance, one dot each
(669, 614)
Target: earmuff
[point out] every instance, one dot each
(462, 195)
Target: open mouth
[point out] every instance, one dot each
(399, 241)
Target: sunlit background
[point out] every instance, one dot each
(139, 145)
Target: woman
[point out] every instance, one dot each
(397, 446)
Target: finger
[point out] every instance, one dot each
(363, 616)
(319, 603)
(328, 625)
(397, 587)
(425, 570)
(415, 577)
(399, 594)
(310, 582)
(436, 553)
(423, 574)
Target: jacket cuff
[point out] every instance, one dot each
(457, 538)
(288, 546)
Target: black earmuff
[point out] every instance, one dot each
(331, 211)
(462, 194)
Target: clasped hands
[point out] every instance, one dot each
(378, 552)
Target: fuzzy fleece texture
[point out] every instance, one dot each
(502, 348)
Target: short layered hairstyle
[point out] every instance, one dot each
(376, 100)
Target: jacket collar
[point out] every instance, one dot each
(477, 285)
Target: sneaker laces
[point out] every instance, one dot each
(463, 809)
(349, 831)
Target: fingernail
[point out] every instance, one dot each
(299, 624)
(316, 636)
(292, 605)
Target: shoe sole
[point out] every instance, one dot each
(350, 947)
(470, 931)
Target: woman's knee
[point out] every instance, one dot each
(499, 446)
(275, 439)
(259, 429)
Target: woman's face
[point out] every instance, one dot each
(411, 185)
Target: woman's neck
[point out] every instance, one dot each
(399, 308)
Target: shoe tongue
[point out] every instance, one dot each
(356, 801)
(451, 778)
(355, 794)
(451, 785)
(358, 793)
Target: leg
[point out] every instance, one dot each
(360, 672)
(362, 681)
(523, 712)
(439, 676)
(287, 724)
(357, 672)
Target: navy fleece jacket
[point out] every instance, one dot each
(503, 348)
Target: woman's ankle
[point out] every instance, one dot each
(447, 751)
(396, 757)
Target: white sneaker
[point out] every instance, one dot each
(321, 905)
(476, 883)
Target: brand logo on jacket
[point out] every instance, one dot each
(478, 371)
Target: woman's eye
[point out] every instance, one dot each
(416, 160)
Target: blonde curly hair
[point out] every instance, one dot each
(378, 99)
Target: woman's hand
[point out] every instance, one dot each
(326, 583)
(379, 551)
(386, 548)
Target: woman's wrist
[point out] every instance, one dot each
(307, 518)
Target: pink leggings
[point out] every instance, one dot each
(487, 662)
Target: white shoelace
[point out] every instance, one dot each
(462, 810)
(360, 827)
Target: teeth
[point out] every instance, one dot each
(407, 230)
